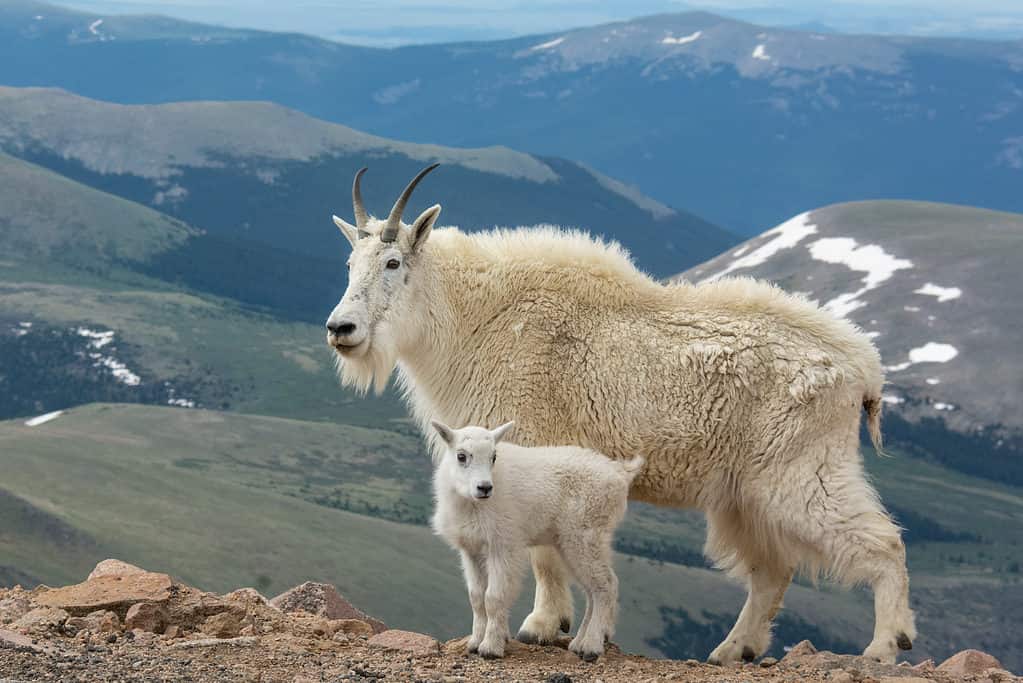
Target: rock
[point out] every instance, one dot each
(41, 619)
(417, 644)
(968, 662)
(559, 678)
(109, 592)
(114, 568)
(768, 662)
(246, 596)
(146, 616)
(323, 600)
(100, 621)
(999, 675)
(801, 649)
(839, 676)
(223, 625)
(172, 632)
(215, 642)
(354, 627)
(13, 604)
(16, 641)
(925, 666)
(904, 679)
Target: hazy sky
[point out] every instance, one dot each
(389, 22)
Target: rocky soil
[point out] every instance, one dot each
(127, 624)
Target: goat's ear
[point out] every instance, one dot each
(445, 432)
(350, 232)
(423, 225)
(502, 431)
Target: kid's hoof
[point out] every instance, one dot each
(566, 625)
(748, 655)
(713, 661)
(490, 654)
(473, 649)
(589, 656)
(903, 641)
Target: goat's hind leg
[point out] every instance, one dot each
(729, 543)
(590, 562)
(552, 605)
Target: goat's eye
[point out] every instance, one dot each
(462, 457)
(494, 459)
(348, 266)
(393, 264)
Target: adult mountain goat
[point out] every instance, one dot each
(744, 400)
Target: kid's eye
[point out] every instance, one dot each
(393, 263)
(462, 458)
(494, 459)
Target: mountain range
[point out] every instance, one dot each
(739, 123)
(937, 288)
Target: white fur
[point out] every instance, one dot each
(745, 400)
(568, 499)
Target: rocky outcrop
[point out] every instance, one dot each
(323, 600)
(125, 623)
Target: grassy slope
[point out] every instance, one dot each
(115, 473)
(152, 484)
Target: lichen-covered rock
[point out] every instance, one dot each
(969, 662)
(418, 644)
(146, 616)
(323, 600)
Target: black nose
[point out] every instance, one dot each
(485, 489)
(341, 329)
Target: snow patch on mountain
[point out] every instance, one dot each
(548, 45)
(871, 259)
(785, 236)
(942, 293)
(94, 27)
(760, 52)
(669, 40)
(931, 352)
(43, 419)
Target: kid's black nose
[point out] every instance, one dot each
(484, 489)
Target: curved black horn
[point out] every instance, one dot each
(390, 232)
(361, 217)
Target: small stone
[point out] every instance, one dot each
(247, 596)
(768, 662)
(803, 648)
(323, 600)
(340, 637)
(214, 642)
(171, 632)
(114, 568)
(839, 676)
(223, 625)
(355, 627)
(969, 662)
(112, 638)
(559, 678)
(418, 644)
(903, 679)
(146, 616)
(41, 619)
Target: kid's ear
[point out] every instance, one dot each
(423, 225)
(502, 431)
(445, 432)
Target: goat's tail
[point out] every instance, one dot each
(872, 406)
(632, 467)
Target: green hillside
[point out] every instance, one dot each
(152, 485)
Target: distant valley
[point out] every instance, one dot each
(741, 124)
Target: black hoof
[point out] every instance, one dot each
(490, 655)
(473, 650)
(903, 641)
(748, 655)
(526, 637)
(566, 625)
(589, 656)
(714, 661)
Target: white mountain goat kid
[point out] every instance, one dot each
(744, 400)
(495, 500)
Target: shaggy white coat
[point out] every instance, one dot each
(744, 400)
(567, 498)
